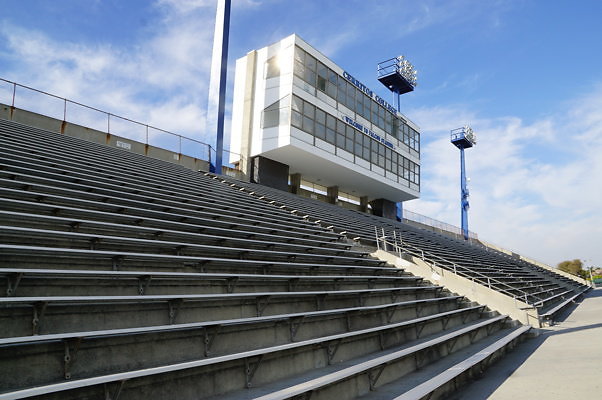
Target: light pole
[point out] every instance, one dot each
(399, 76)
(463, 138)
(217, 82)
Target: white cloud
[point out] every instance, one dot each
(535, 187)
(161, 79)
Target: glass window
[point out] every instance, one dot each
(321, 83)
(350, 95)
(308, 110)
(340, 141)
(297, 104)
(309, 76)
(331, 90)
(322, 70)
(331, 122)
(357, 148)
(320, 131)
(308, 125)
(310, 62)
(341, 127)
(299, 54)
(299, 69)
(342, 92)
(320, 116)
(296, 119)
(349, 134)
(330, 136)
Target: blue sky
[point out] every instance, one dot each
(525, 74)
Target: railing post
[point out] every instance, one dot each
(108, 122)
(14, 94)
(65, 110)
(180, 144)
(146, 140)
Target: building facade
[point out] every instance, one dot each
(296, 110)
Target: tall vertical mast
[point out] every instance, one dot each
(217, 83)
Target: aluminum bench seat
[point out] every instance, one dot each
(224, 337)
(549, 315)
(87, 188)
(373, 365)
(55, 314)
(439, 384)
(119, 259)
(185, 225)
(145, 282)
(88, 226)
(186, 192)
(292, 318)
(553, 297)
(167, 213)
(272, 354)
(19, 235)
(187, 188)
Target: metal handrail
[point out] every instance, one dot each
(399, 249)
(109, 115)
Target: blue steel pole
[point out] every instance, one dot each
(219, 146)
(464, 195)
(399, 205)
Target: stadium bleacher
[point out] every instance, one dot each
(133, 277)
(545, 290)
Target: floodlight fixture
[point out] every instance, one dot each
(398, 75)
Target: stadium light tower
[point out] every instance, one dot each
(399, 76)
(217, 82)
(463, 138)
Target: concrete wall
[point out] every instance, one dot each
(92, 135)
(474, 291)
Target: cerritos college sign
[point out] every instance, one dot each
(367, 131)
(369, 92)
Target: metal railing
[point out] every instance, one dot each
(398, 246)
(185, 145)
(424, 220)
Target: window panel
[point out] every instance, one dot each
(308, 110)
(296, 119)
(299, 54)
(349, 145)
(310, 76)
(331, 122)
(320, 116)
(297, 104)
(333, 77)
(331, 90)
(310, 62)
(308, 125)
(330, 136)
(320, 131)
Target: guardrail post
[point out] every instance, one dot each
(146, 140)
(14, 94)
(108, 122)
(65, 110)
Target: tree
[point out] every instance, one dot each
(574, 267)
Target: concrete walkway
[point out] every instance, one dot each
(564, 362)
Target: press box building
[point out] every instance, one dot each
(300, 120)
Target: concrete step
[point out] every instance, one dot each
(42, 358)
